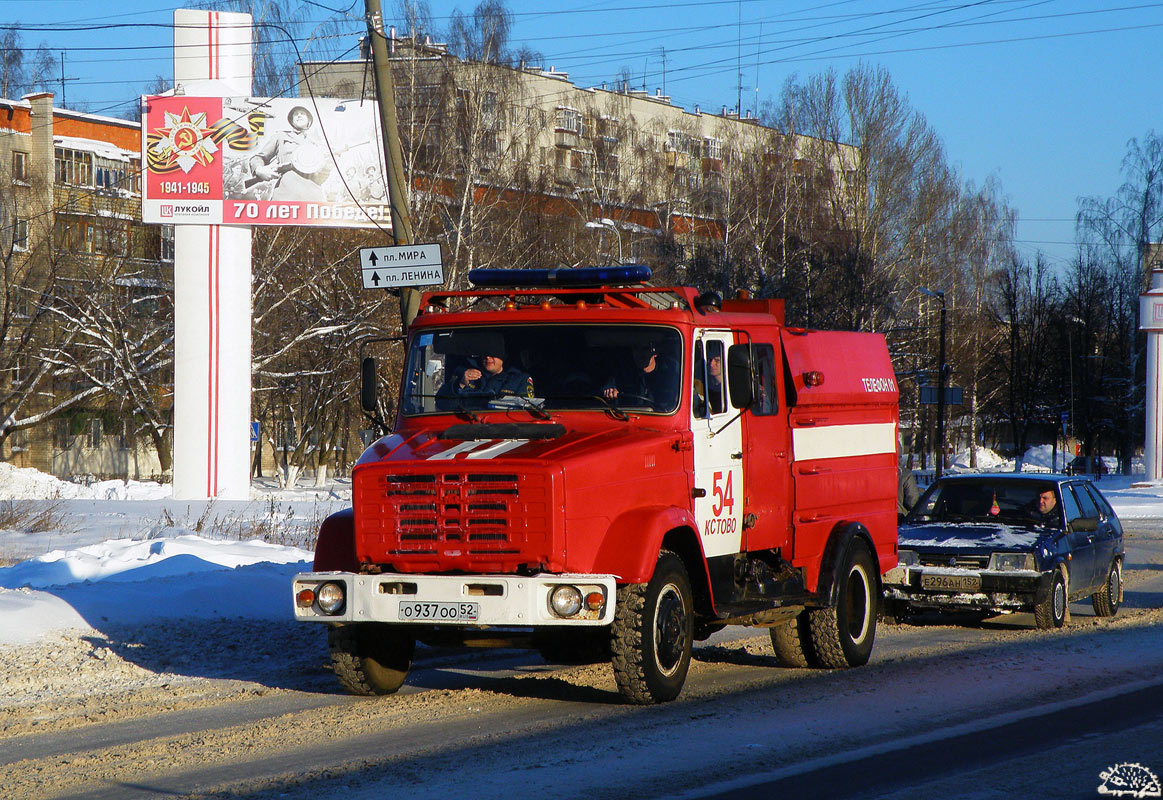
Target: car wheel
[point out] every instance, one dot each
(1051, 612)
(842, 634)
(371, 658)
(791, 641)
(653, 632)
(1106, 600)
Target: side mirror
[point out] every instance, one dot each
(367, 385)
(740, 380)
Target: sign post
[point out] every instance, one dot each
(212, 312)
(1151, 321)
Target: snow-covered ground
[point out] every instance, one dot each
(125, 551)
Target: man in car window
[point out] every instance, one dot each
(1044, 508)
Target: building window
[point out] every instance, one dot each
(73, 167)
(569, 119)
(19, 166)
(712, 148)
(96, 433)
(20, 234)
(166, 237)
(678, 142)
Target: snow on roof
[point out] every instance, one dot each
(103, 149)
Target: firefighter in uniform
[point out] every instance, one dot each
(485, 378)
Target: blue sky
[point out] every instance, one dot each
(1043, 95)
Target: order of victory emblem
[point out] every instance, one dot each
(185, 141)
(1129, 780)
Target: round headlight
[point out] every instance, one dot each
(330, 598)
(565, 601)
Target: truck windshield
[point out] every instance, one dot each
(582, 367)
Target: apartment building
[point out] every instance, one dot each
(70, 220)
(615, 156)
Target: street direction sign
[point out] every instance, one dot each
(402, 265)
(954, 395)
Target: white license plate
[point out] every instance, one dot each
(439, 612)
(952, 583)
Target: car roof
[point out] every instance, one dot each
(1024, 477)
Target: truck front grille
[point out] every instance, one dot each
(443, 519)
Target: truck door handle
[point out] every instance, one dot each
(737, 455)
(816, 471)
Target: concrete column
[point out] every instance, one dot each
(1151, 321)
(212, 312)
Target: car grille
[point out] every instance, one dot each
(953, 560)
(442, 519)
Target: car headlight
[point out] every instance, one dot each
(907, 558)
(330, 598)
(565, 600)
(1011, 561)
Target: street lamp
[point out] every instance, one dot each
(606, 223)
(941, 368)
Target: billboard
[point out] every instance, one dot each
(254, 161)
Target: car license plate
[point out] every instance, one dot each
(439, 612)
(952, 583)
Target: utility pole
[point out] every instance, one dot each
(393, 154)
(942, 369)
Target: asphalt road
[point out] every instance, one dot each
(982, 710)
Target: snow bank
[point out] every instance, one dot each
(129, 560)
(146, 582)
(30, 484)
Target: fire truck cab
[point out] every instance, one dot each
(603, 469)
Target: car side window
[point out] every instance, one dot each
(1104, 508)
(1070, 505)
(1089, 509)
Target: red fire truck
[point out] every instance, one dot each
(603, 469)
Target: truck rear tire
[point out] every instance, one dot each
(791, 641)
(371, 658)
(842, 634)
(652, 634)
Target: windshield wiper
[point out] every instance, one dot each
(537, 411)
(615, 412)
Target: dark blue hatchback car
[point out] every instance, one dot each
(999, 543)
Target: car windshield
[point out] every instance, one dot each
(985, 500)
(540, 368)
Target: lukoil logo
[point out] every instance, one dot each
(1129, 780)
(167, 211)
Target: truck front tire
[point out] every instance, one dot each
(653, 632)
(371, 658)
(842, 634)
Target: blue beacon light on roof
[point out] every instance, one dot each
(580, 276)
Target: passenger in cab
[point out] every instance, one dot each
(485, 378)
